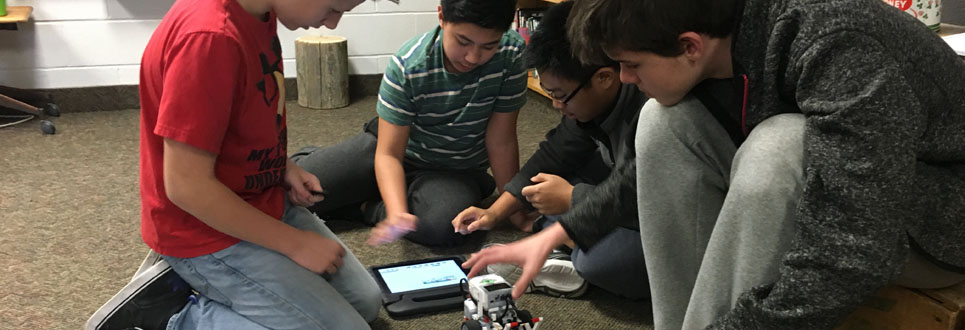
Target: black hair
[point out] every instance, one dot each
(549, 50)
(489, 14)
(645, 25)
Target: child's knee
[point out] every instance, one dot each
(767, 184)
(771, 160)
(780, 136)
(437, 234)
(370, 304)
(684, 123)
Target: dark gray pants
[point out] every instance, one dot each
(614, 264)
(347, 174)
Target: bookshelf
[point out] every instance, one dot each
(533, 82)
(15, 15)
(950, 29)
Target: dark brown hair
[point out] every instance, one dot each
(596, 26)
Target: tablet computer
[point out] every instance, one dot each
(421, 286)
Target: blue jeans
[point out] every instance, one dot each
(246, 286)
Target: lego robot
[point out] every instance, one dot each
(490, 306)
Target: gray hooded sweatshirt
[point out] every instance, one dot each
(884, 102)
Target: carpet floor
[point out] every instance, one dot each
(69, 221)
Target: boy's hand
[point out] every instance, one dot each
(550, 194)
(300, 184)
(472, 219)
(318, 254)
(392, 227)
(529, 253)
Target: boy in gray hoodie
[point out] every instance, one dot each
(796, 156)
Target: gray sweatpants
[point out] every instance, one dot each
(346, 172)
(716, 221)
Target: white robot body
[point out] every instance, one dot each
(491, 307)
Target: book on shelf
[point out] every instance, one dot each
(526, 21)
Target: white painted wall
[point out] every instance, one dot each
(82, 43)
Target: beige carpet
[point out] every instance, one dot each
(69, 217)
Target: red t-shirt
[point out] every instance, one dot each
(211, 77)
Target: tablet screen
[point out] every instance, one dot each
(422, 276)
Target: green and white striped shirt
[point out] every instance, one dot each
(447, 113)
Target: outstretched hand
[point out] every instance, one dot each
(529, 253)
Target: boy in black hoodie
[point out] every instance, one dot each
(596, 131)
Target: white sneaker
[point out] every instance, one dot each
(557, 277)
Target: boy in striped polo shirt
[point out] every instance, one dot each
(447, 110)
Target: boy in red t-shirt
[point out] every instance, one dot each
(216, 180)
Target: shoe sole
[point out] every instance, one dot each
(149, 260)
(138, 283)
(557, 278)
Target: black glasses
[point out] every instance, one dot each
(573, 93)
(577, 90)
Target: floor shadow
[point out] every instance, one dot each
(620, 308)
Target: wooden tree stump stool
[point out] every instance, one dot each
(322, 65)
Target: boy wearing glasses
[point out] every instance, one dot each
(596, 132)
